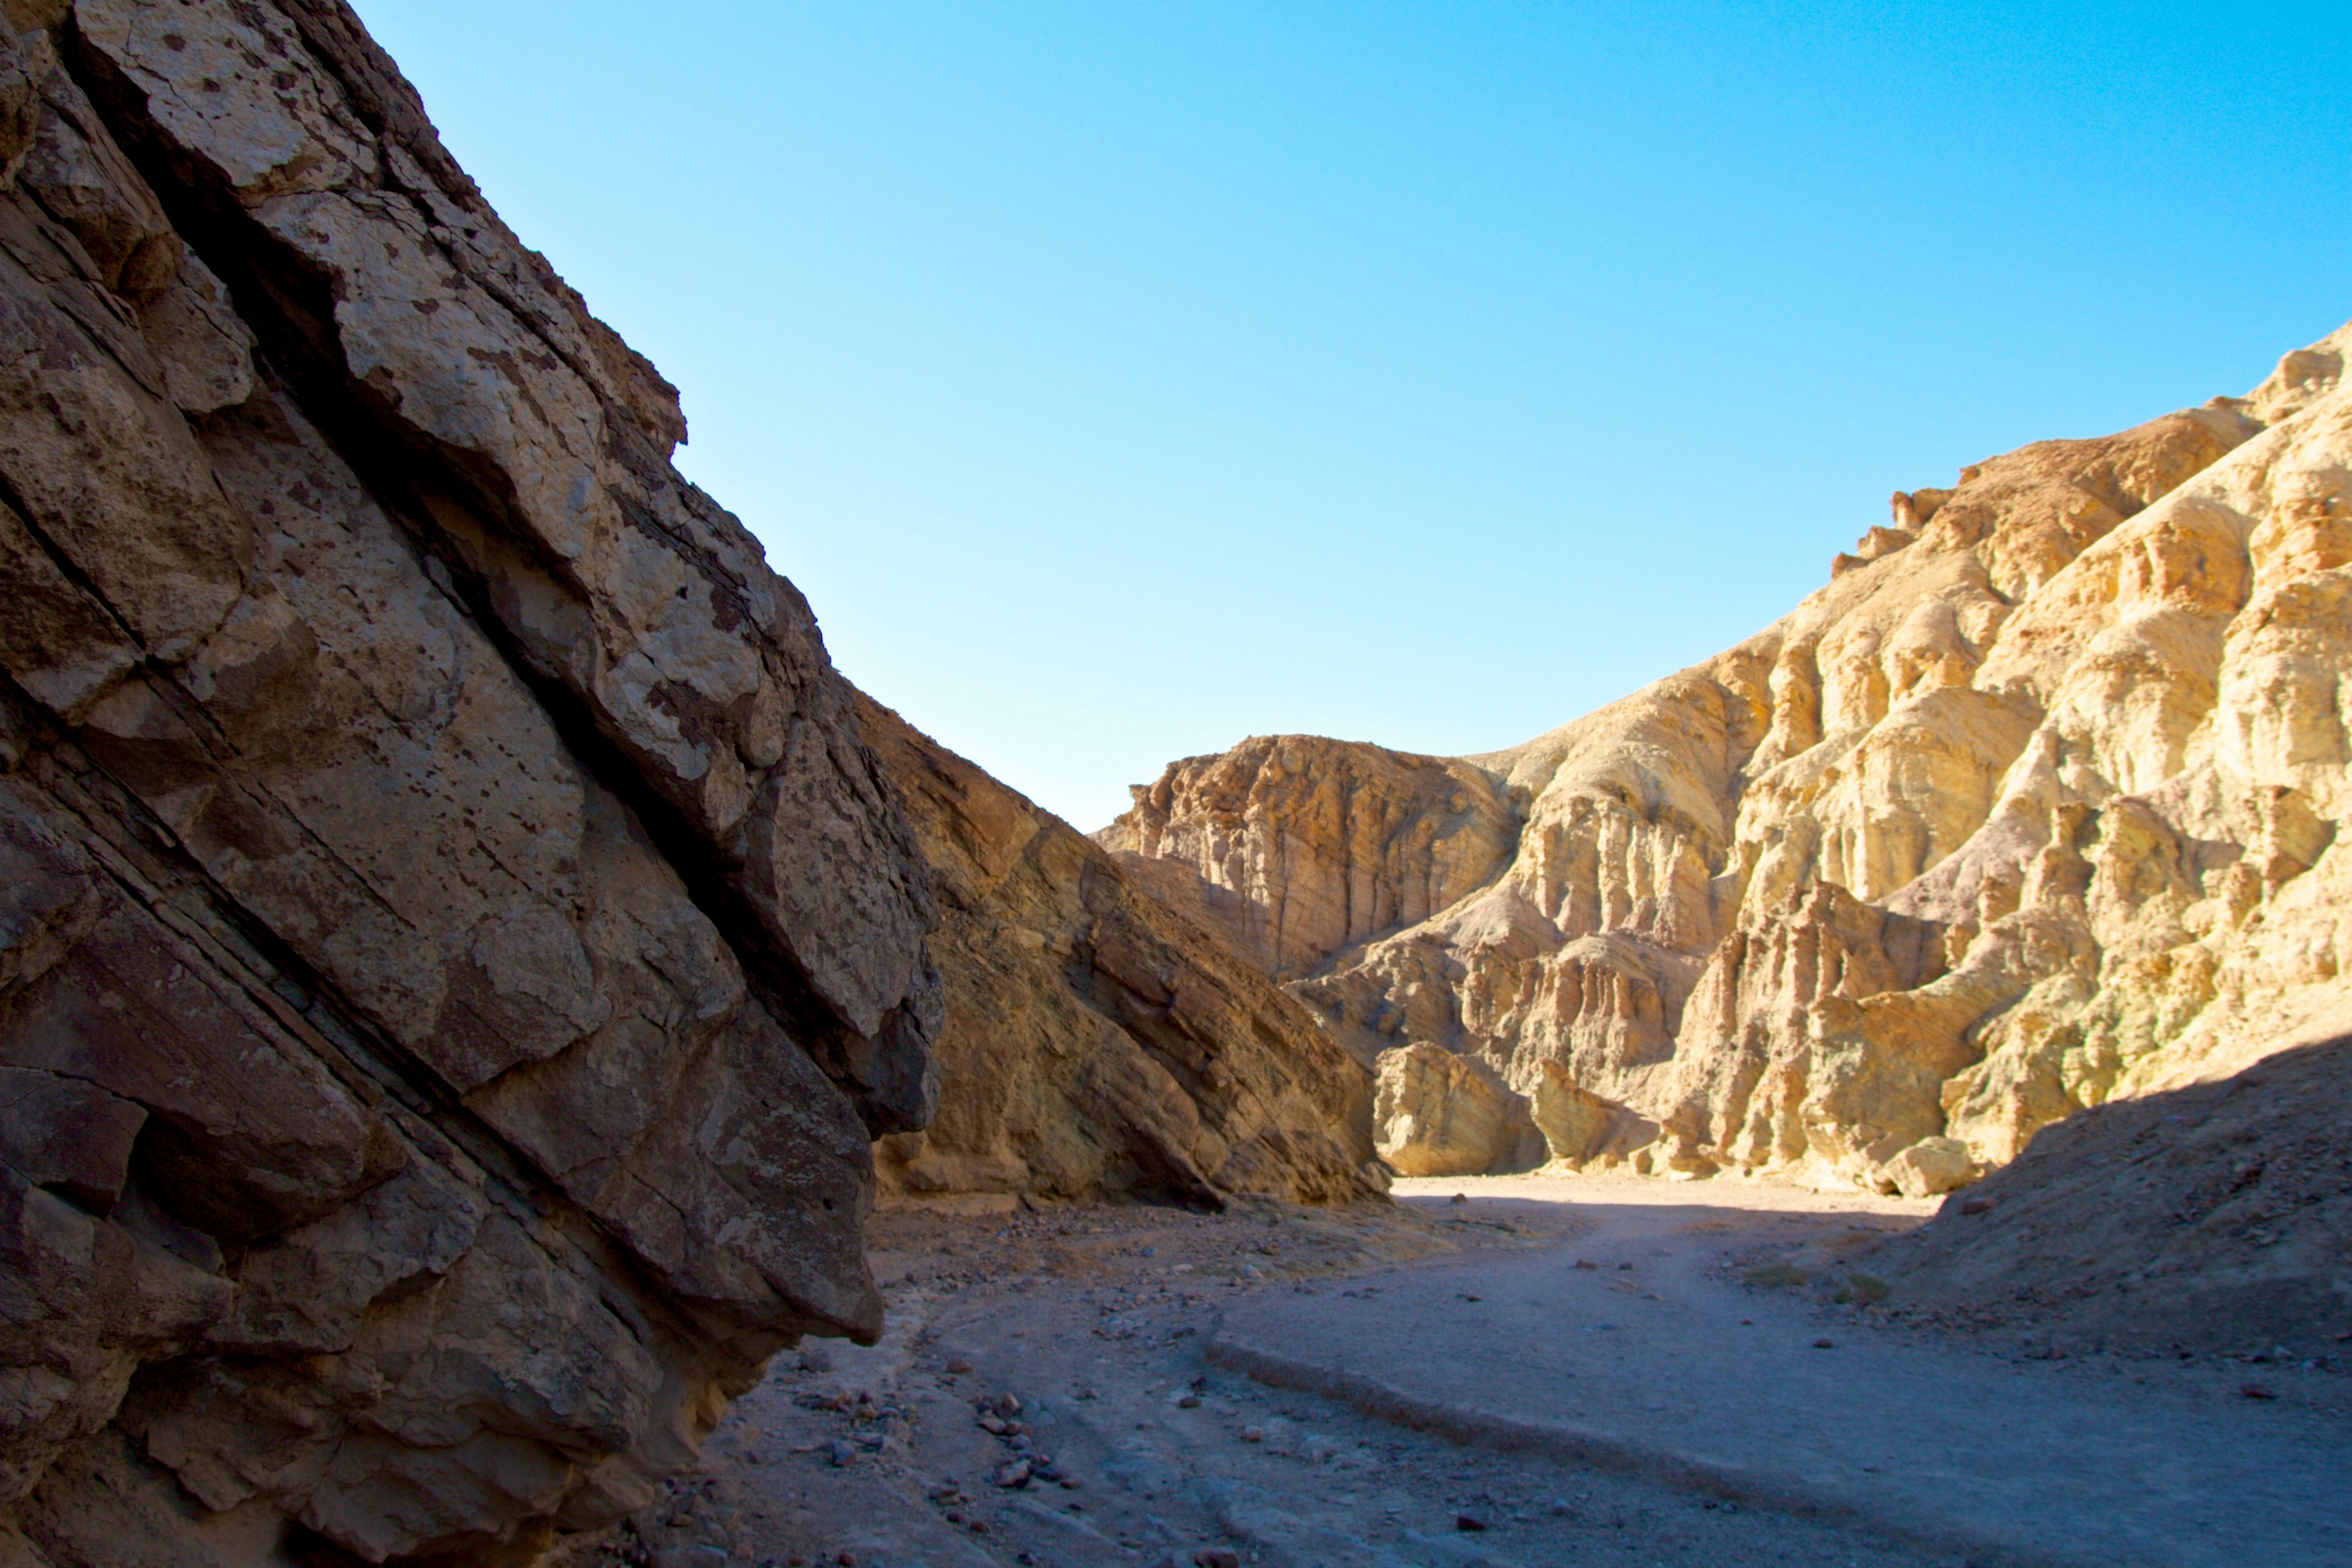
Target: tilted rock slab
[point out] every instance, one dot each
(456, 945)
(1096, 1042)
(2033, 807)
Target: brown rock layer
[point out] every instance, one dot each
(1096, 1042)
(455, 943)
(2033, 807)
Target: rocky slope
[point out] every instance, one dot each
(2216, 1215)
(2033, 807)
(454, 945)
(1096, 1042)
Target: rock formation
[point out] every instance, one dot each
(2215, 1218)
(1298, 847)
(2033, 808)
(455, 946)
(1097, 1042)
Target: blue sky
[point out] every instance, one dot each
(1119, 380)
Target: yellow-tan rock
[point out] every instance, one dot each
(1439, 1116)
(1097, 1043)
(2034, 805)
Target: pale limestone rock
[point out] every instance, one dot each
(1931, 1167)
(1439, 1116)
(2033, 807)
(1367, 841)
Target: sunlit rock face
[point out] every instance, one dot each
(2032, 807)
(455, 945)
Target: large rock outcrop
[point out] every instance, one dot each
(456, 945)
(1097, 1043)
(2033, 807)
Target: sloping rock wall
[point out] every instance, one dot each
(1097, 1042)
(2033, 807)
(455, 946)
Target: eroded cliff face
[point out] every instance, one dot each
(455, 946)
(2033, 807)
(1097, 1043)
(1299, 847)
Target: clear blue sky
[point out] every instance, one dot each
(1119, 380)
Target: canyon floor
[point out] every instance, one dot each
(1537, 1371)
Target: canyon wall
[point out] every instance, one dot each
(2033, 807)
(1096, 1042)
(455, 946)
(460, 939)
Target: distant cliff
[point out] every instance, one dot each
(2033, 807)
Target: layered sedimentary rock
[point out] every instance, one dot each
(455, 946)
(1299, 847)
(2033, 807)
(1096, 1042)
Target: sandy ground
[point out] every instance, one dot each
(1430, 1389)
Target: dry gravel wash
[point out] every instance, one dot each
(1680, 1435)
(1673, 1369)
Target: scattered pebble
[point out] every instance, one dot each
(1825, 1345)
(1468, 1522)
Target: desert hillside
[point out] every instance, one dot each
(2033, 807)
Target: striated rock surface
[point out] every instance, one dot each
(2033, 808)
(1439, 1116)
(1299, 847)
(1096, 1042)
(456, 945)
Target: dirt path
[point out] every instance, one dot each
(1676, 1435)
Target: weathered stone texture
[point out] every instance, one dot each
(1299, 847)
(2033, 807)
(1096, 1042)
(455, 945)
